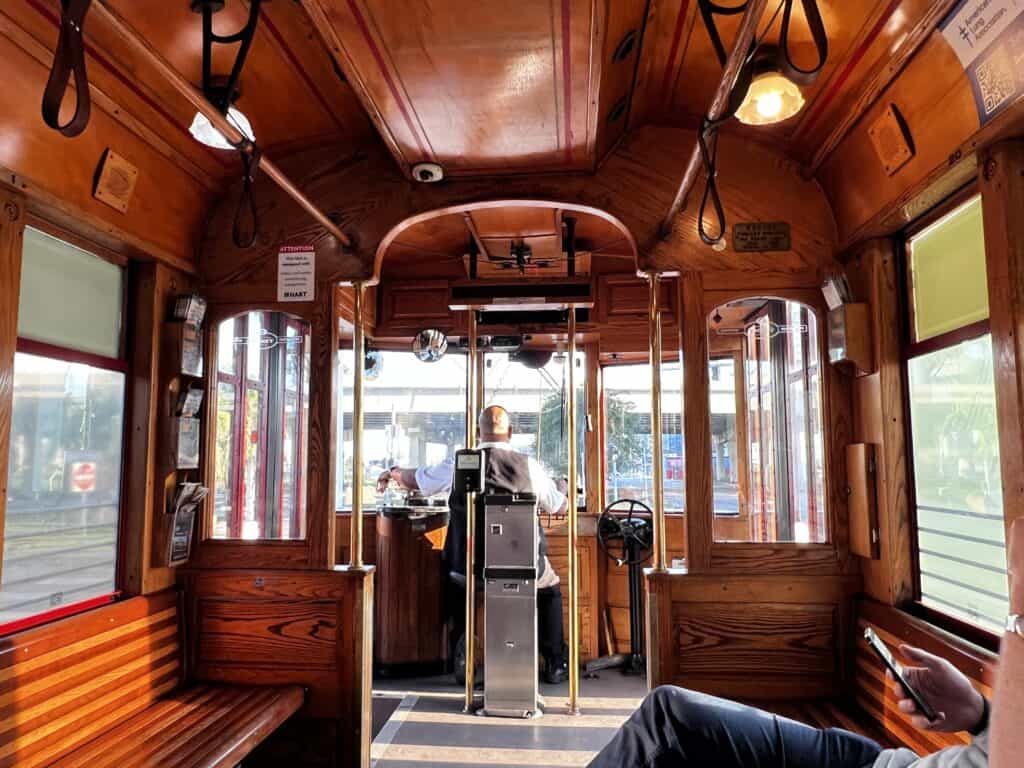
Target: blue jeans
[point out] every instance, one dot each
(677, 728)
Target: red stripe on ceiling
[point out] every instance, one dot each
(567, 77)
(836, 85)
(379, 58)
(297, 65)
(677, 37)
(113, 70)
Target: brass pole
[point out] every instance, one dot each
(658, 495)
(574, 587)
(358, 355)
(481, 392)
(179, 83)
(471, 407)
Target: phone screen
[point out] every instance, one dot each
(894, 666)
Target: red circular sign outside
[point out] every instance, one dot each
(83, 477)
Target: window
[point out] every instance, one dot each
(536, 398)
(628, 435)
(961, 544)
(64, 476)
(414, 413)
(262, 406)
(766, 431)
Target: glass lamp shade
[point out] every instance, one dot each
(202, 129)
(772, 98)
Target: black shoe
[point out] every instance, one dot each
(556, 671)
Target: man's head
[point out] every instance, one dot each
(494, 425)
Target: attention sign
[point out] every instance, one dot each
(296, 273)
(755, 236)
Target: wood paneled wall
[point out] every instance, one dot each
(312, 628)
(935, 98)
(635, 185)
(879, 418)
(1002, 191)
(750, 637)
(12, 226)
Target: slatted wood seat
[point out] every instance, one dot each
(204, 725)
(106, 688)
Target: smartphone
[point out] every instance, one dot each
(897, 670)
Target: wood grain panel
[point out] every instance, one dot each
(12, 227)
(872, 274)
(274, 627)
(1002, 189)
(165, 216)
(697, 424)
(478, 87)
(587, 553)
(64, 683)
(726, 640)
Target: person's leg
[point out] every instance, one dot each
(676, 728)
(550, 633)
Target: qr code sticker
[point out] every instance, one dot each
(996, 79)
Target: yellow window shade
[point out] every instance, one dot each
(948, 280)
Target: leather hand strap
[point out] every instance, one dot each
(68, 59)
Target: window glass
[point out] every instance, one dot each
(414, 414)
(87, 289)
(536, 398)
(63, 486)
(960, 526)
(766, 431)
(947, 273)
(628, 435)
(262, 412)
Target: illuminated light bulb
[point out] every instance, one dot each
(772, 98)
(770, 105)
(202, 129)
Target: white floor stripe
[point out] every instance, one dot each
(390, 730)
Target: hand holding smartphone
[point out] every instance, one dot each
(896, 669)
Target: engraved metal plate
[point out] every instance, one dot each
(750, 236)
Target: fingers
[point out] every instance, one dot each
(923, 723)
(894, 685)
(920, 656)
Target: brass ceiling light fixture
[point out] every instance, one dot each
(766, 91)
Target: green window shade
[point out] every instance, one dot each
(69, 297)
(947, 263)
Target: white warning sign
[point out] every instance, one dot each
(973, 25)
(296, 273)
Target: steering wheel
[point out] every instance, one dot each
(615, 533)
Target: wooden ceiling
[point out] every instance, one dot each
(481, 87)
(437, 247)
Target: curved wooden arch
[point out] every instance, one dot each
(420, 218)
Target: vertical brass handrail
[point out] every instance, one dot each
(471, 408)
(658, 495)
(358, 358)
(574, 596)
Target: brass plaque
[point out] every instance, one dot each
(750, 236)
(115, 182)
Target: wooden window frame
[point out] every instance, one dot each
(119, 364)
(911, 349)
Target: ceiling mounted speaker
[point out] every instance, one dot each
(891, 140)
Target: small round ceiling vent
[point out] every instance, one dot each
(427, 172)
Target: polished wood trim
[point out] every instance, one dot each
(1002, 192)
(697, 424)
(949, 339)
(42, 349)
(12, 226)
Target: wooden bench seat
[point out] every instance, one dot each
(106, 687)
(204, 726)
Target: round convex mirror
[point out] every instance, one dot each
(430, 345)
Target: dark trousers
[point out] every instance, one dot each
(676, 728)
(550, 630)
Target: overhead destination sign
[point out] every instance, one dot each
(988, 38)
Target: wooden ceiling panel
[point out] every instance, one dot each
(869, 41)
(479, 87)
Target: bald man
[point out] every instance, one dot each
(508, 471)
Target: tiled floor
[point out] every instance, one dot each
(428, 727)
